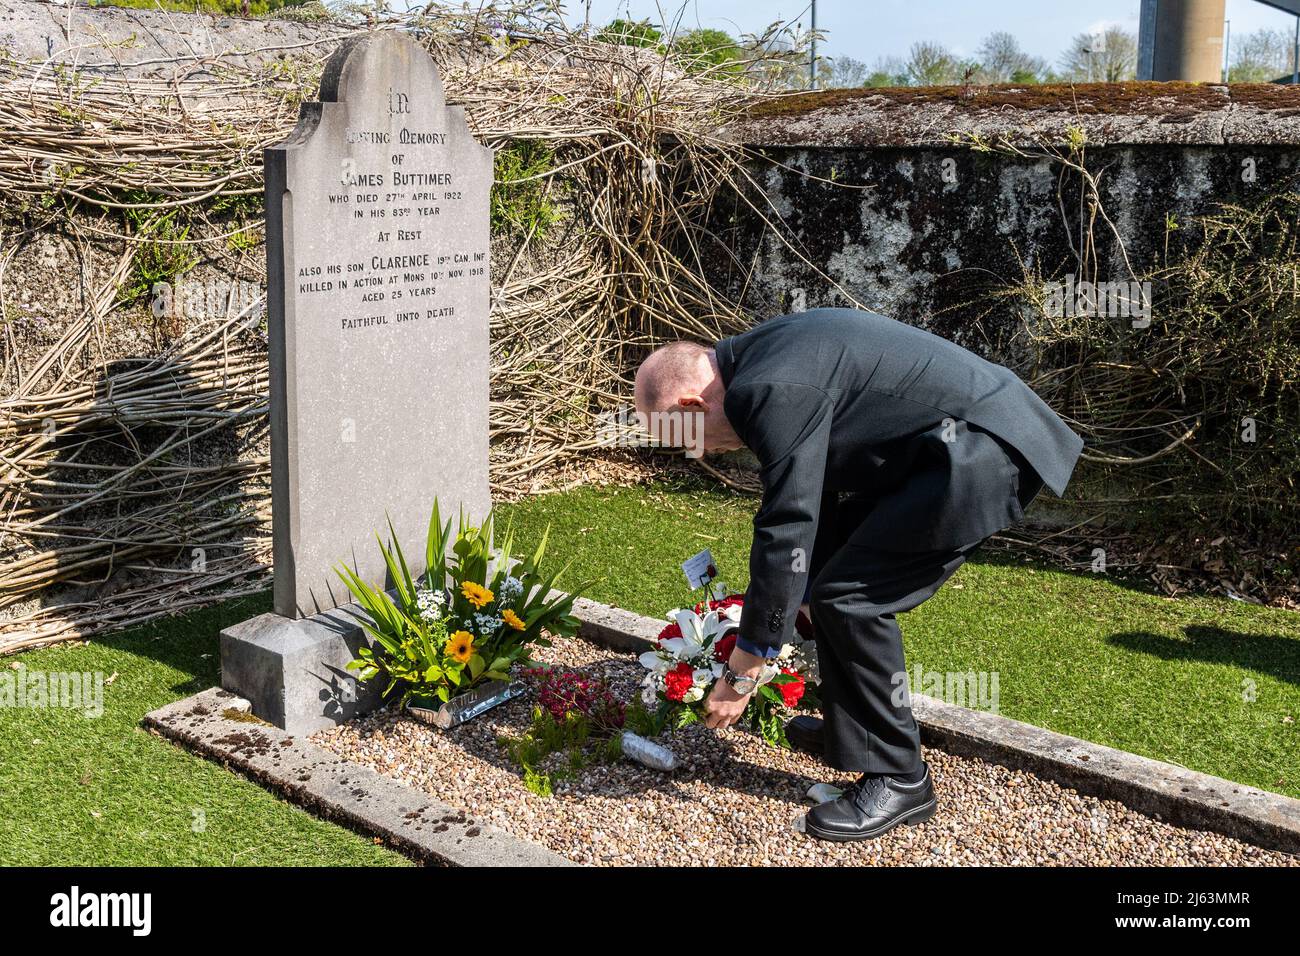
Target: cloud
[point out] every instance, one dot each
(1101, 26)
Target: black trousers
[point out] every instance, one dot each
(854, 602)
(859, 584)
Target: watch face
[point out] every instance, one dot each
(742, 685)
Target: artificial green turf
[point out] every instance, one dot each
(1207, 683)
(103, 792)
(1203, 682)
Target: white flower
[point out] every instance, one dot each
(805, 661)
(510, 589)
(692, 695)
(649, 696)
(430, 603)
(654, 662)
(693, 633)
(703, 676)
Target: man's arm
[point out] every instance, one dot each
(788, 427)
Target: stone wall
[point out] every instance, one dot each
(920, 204)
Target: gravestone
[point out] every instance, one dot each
(378, 295)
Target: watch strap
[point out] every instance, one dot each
(731, 677)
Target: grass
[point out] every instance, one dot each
(1206, 683)
(1203, 682)
(103, 792)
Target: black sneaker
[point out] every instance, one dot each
(871, 807)
(807, 733)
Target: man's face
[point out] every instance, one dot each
(690, 415)
(718, 434)
(675, 427)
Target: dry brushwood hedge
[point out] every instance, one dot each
(1191, 423)
(132, 281)
(133, 433)
(1195, 421)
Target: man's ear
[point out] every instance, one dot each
(693, 401)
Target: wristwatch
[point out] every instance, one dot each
(739, 683)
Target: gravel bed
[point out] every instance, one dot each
(736, 800)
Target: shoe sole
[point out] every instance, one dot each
(919, 815)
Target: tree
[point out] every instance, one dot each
(841, 72)
(1002, 61)
(1108, 57)
(640, 33)
(930, 64)
(715, 51)
(1261, 57)
(888, 71)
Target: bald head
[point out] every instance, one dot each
(679, 392)
(671, 372)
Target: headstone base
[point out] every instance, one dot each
(294, 672)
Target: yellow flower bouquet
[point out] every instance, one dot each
(468, 618)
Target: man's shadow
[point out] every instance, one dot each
(1267, 653)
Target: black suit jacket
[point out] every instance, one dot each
(840, 400)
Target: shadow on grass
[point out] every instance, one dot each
(1266, 653)
(188, 643)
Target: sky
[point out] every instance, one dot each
(870, 29)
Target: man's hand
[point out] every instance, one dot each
(724, 706)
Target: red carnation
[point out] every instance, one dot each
(791, 691)
(736, 600)
(723, 648)
(731, 600)
(678, 681)
(672, 630)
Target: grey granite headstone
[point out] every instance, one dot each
(378, 294)
(377, 255)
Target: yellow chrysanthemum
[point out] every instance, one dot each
(460, 646)
(476, 594)
(511, 618)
